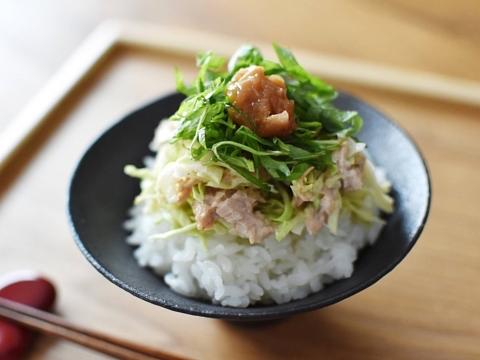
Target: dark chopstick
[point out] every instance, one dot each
(48, 323)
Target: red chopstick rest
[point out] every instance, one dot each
(28, 288)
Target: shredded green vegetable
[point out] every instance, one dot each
(293, 173)
(204, 121)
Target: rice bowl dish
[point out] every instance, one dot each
(259, 191)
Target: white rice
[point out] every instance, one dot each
(239, 274)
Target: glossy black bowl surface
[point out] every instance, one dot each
(100, 196)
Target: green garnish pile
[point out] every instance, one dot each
(205, 124)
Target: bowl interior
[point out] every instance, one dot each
(100, 196)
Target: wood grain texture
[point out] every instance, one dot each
(47, 323)
(443, 37)
(428, 307)
(186, 42)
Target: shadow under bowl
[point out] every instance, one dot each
(100, 196)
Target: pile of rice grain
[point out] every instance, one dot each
(232, 273)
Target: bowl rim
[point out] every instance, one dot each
(254, 313)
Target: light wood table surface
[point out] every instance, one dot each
(427, 308)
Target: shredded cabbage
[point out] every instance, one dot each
(284, 207)
(200, 148)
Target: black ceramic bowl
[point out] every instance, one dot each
(100, 196)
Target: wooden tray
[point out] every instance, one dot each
(427, 308)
